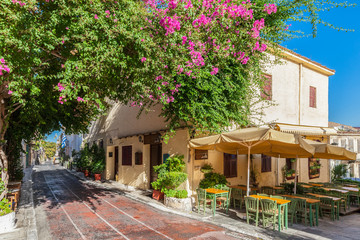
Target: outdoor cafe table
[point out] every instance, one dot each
(336, 189)
(351, 189)
(306, 186)
(335, 199)
(280, 203)
(311, 202)
(216, 192)
(317, 184)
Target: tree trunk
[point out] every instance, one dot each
(3, 157)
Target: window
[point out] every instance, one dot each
(201, 154)
(312, 97)
(314, 168)
(265, 163)
(351, 144)
(266, 92)
(290, 168)
(358, 147)
(101, 143)
(127, 155)
(230, 165)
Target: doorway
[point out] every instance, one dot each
(116, 165)
(155, 159)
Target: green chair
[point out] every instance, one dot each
(278, 197)
(203, 200)
(327, 206)
(252, 210)
(224, 198)
(344, 199)
(237, 196)
(269, 212)
(292, 211)
(267, 190)
(355, 197)
(303, 212)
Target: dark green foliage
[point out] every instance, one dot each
(289, 188)
(212, 179)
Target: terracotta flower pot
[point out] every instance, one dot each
(158, 195)
(86, 173)
(97, 176)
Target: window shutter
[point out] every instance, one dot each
(266, 92)
(312, 97)
(127, 155)
(233, 167)
(265, 163)
(230, 165)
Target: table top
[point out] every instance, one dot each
(215, 191)
(278, 201)
(278, 188)
(335, 189)
(352, 189)
(306, 186)
(317, 184)
(243, 188)
(308, 200)
(320, 196)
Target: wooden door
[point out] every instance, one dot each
(155, 159)
(116, 165)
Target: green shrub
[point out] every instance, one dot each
(4, 207)
(170, 176)
(176, 193)
(289, 188)
(211, 179)
(339, 171)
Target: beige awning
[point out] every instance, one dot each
(260, 140)
(305, 130)
(327, 151)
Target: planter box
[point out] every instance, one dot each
(157, 195)
(183, 204)
(97, 176)
(7, 222)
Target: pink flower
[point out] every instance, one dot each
(164, 83)
(115, 20)
(2, 60)
(61, 102)
(107, 12)
(67, 28)
(214, 71)
(142, 40)
(61, 87)
(79, 99)
(10, 92)
(143, 59)
(270, 8)
(96, 16)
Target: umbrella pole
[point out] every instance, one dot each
(296, 163)
(248, 173)
(277, 170)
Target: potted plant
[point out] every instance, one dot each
(7, 216)
(206, 168)
(98, 162)
(170, 176)
(97, 169)
(292, 160)
(212, 179)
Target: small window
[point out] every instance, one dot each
(312, 97)
(127, 155)
(230, 165)
(201, 154)
(101, 143)
(265, 163)
(314, 168)
(266, 92)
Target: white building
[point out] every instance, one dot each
(299, 89)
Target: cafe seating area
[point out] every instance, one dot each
(13, 194)
(277, 208)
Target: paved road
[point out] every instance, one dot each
(69, 209)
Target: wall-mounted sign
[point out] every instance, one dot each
(201, 154)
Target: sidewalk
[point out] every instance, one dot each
(231, 221)
(25, 214)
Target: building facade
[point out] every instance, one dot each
(299, 90)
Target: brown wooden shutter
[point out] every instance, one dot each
(230, 165)
(127, 155)
(266, 92)
(312, 97)
(265, 163)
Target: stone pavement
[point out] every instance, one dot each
(25, 214)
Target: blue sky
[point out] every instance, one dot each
(339, 51)
(51, 137)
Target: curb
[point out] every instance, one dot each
(162, 207)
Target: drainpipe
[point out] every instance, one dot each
(300, 81)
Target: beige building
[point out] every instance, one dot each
(299, 89)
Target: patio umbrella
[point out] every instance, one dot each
(255, 141)
(328, 151)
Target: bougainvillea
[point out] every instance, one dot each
(199, 59)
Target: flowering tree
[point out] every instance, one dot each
(199, 59)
